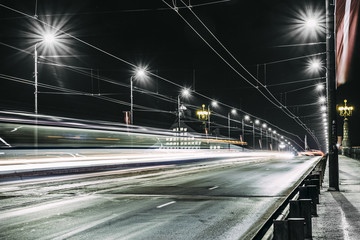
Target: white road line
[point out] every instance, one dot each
(166, 204)
(215, 187)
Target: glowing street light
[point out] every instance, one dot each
(48, 39)
(140, 73)
(247, 118)
(203, 115)
(322, 99)
(214, 103)
(319, 87)
(233, 111)
(311, 23)
(345, 111)
(185, 92)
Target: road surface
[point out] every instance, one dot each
(223, 199)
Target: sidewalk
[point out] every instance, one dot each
(339, 212)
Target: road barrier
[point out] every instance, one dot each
(292, 220)
(353, 152)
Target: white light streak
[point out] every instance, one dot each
(166, 204)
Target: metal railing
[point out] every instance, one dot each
(292, 220)
(353, 152)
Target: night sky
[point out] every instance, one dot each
(102, 41)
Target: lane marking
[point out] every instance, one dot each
(166, 204)
(215, 187)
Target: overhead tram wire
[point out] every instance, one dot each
(298, 44)
(217, 53)
(295, 82)
(294, 58)
(92, 46)
(71, 91)
(282, 107)
(118, 58)
(279, 105)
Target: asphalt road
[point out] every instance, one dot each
(228, 199)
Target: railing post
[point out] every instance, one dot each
(302, 209)
(310, 192)
(296, 228)
(281, 230)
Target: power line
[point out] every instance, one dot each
(281, 106)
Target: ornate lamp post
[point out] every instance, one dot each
(345, 111)
(203, 115)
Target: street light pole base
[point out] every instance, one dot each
(332, 189)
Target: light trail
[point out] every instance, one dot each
(166, 204)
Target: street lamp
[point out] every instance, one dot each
(331, 94)
(213, 104)
(257, 122)
(233, 111)
(264, 125)
(140, 73)
(322, 99)
(184, 93)
(48, 39)
(269, 135)
(319, 87)
(203, 115)
(247, 118)
(346, 111)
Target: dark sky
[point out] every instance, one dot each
(150, 34)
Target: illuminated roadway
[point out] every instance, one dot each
(227, 198)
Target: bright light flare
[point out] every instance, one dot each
(322, 99)
(246, 117)
(185, 92)
(214, 103)
(140, 73)
(233, 111)
(307, 23)
(323, 108)
(311, 23)
(314, 65)
(257, 122)
(319, 87)
(264, 125)
(49, 38)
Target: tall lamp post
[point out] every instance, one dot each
(264, 125)
(233, 111)
(331, 88)
(213, 104)
(256, 122)
(140, 73)
(203, 115)
(184, 93)
(331, 92)
(346, 111)
(245, 118)
(48, 39)
(270, 138)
